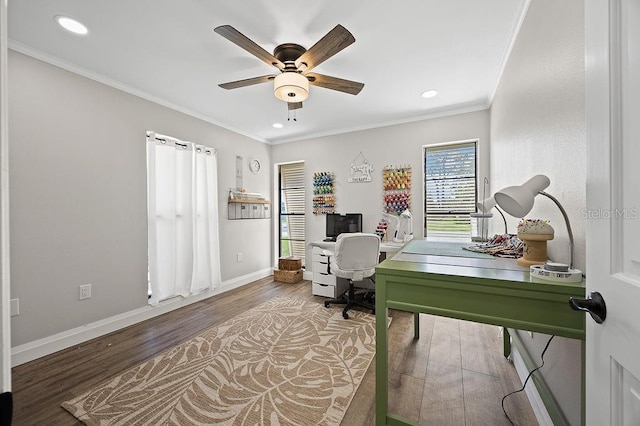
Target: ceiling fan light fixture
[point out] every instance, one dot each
(291, 87)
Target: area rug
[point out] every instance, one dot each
(285, 362)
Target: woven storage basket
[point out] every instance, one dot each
(290, 263)
(290, 277)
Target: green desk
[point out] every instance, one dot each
(467, 286)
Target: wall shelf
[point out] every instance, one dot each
(249, 208)
(249, 201)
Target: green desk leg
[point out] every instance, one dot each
(416, 325)
(506, 343)
(382, 380)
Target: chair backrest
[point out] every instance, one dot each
(356, 255)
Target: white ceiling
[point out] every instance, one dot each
(167, 51)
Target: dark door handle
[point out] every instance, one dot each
(594, 304)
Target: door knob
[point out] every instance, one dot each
(594, 304)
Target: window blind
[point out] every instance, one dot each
(292, 210)
(292, 188)
(450, 189)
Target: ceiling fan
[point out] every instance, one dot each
(295, 63)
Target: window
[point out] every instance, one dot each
(291, 217)
(450, 184)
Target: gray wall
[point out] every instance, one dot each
(78, 196)
(392, 145)
(537, 126)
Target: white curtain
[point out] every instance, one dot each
(184, 251)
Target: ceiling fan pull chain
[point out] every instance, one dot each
(289, 115)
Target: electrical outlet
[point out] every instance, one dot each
(15, 307)
(84, 292)
(239, 257)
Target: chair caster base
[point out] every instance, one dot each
(326, 304)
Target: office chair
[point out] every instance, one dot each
(355, 258)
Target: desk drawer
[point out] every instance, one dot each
(320, 267)
(325, 290)
(318, 256)
(324, 278)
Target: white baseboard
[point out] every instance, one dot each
(539, 409)
(307, 275)
(48, 345)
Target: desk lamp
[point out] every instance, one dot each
(489, 203)
(518, 201)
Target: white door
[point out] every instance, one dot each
(5, 329)
(613, 215)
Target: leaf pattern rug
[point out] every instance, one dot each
(285, 362)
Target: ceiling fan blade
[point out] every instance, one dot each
(333, 42)
(247, 82)
(294, 105)
(236, 37)
(335, 83)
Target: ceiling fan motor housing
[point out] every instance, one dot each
(288, 52)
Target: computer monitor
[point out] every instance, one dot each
(343, 223)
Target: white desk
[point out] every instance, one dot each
(385, 246)
(328, 285)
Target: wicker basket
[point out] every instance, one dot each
(290, 263)
(290, 277)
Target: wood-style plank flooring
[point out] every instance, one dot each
(454, 374)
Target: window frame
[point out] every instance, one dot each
(302, 214)
(452, 236)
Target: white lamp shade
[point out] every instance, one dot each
(486, 205)
(518, 200)
(291, 87)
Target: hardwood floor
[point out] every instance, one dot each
(453, 375)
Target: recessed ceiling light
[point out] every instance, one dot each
(429, 93)
(71, 25)
(277, 125)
